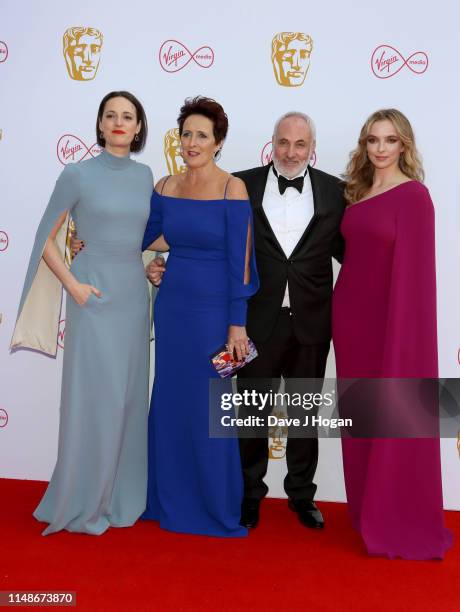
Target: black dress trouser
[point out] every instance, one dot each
(281, 356)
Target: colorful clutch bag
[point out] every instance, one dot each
(226, 364)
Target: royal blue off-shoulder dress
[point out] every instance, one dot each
(195, 482)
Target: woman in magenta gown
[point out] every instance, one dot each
(384, 326)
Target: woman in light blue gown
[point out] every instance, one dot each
(101, 471)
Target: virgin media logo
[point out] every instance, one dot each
(386, 61)
(3, 51)
(266, 155)
(4, 241)
(70, 148)
(3, 418)
(174, 56)
(61, 334)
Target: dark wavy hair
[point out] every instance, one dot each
(136, 145)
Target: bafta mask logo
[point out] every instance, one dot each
(71, 230)
(277, 448)
(3, 51)
(173, 157)
(278, 438)
(3, 418)
(82, 52)
(291, 57)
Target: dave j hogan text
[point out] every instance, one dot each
(276, 421)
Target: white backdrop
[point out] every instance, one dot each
(47, 118)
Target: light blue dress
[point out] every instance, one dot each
(101, 471)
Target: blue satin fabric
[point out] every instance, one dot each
(195, 483)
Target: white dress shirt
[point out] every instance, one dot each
(288, 214)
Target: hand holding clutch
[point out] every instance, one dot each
(225, 363)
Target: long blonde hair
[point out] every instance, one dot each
(360, 171)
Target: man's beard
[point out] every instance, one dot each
(289, 173)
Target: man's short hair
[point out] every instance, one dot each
(308, 120)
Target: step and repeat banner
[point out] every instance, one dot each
(336, 61)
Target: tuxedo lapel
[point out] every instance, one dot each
(255, 184)
(256, 189)
(265, 229)
(315, 180)
(317, 206)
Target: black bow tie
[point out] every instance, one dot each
(284, 183)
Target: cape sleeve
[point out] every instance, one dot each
(154, 227)
(37, 322)
(240, 249)
(411, 335)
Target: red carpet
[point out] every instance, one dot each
(282, 566)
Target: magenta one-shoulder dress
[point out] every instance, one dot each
(384, 326)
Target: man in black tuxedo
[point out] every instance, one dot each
(297, 212)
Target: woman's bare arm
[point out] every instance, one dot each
(79, 291)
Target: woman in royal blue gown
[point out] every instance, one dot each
(203, 217)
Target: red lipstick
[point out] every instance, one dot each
(118, 132)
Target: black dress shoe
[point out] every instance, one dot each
(308, 513)
(250, 512)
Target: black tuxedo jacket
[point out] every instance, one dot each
(309, 267)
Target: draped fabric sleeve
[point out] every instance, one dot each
(240, 250)
(154, 227)
(411, 335)
(40, 306)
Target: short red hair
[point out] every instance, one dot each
(210, 109)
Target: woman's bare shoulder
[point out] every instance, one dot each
(236, 189)
(166, 183)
